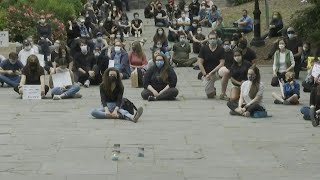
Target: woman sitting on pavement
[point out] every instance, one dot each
(70, 91)
(160, 81)
(137, 57)
(238, 71)
(283, 62)
(32, 74)
(111, 93)
(308, 83)
(251, 95)
(291, 91)
(275, 26)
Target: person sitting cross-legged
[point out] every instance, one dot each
(181, 51)
(10, 70)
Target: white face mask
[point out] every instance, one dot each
(160, 32)
(281, 46)
(159, 45)
(117, 49)
(186, 9)
(199, 32)
(305, 49)
(227, 47)
(84, 49)
(27, 48)
(42, 21)
(290, 36)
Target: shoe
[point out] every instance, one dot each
(56, 97)
(233, 113)
(196, 67)
(152, 98)
(136, 35)
(285, 102)
(277, 102)
(77, 95)
(314, 119)
(246, 114)
(137, 115)
(224, 97)
(86, 84)
(139, 35)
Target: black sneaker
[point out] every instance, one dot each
(314, 119)
(233, 113)
(151, 98)
(285, 102)
(277, 102)
(137, 115)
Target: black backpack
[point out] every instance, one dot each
(128, 106)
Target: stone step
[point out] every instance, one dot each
(141, 4)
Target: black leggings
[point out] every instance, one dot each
(252, 108)
(169, 94)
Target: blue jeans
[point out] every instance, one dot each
(306, 112)
(100, 112)
(12, 81)
(68, 92)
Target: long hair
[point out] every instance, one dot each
(33, 60)
(255, 83)
(106, 83)
(165, 69)
(238, 50)
(137, 49)
(65, 48)
(158, 37)
(277, 12)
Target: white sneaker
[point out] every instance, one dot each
(56, 97)
(139, 35)
(87, 83)
(136, 35)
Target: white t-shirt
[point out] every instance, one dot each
(282, 61)
(23, 55)
(184, 21)
(245, 88)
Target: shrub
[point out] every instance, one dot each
(307, 24)
(238, 2)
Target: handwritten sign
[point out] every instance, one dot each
(4, 39)
(111, 63)
(61, 79)
(31, 92)
(315, 70)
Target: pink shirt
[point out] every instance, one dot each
(137, 61)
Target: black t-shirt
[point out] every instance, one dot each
(211, 58)
(250, 55)
(228, 59)
(33, 78)
(54, 55)
(157, 14)
(136, 23)
(239, 73)
(293, 44)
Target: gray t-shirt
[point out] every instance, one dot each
(245, 88)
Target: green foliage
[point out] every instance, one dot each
(3, 21)
(238, 2)
(307, 24)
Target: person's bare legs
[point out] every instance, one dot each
(277, 97)
(235, 94)
(294, 99)
(225, 74)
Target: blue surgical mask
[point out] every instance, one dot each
(159, 63)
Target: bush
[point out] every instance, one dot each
(307, 24)
(238, 2)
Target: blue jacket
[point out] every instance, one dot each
(124, 61)
(289, 91)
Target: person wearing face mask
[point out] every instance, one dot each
(294, 44)
(100, 28)
(218, 25)
(228, 53)
(193, 30)
(119, 36)
(63, 52)
(176, 12)
(198, 40)
(124, 25)
(248, 53)
(283, 62)
(174, 29)
(111, 94)
(312, 112)
(214, 14)
(238, 72)
(211, 63)
(275, 26)
(306, 51)
(309, 82)
(160, 81)
(181, 51)
(204, 16)
(121, 60)
(251, 95)
(44, 32)
(54, 54)
(291, 91)
(245, 23)
(194, 7)
(184, 21)
(32, 74)
(33, 46)
(160, 16)
(73, 33)
(10, 70)
(69, 91)
(161, 37)
(137, 57)
(25, 52)
(84, 62)
(99, 42)
(136, 25)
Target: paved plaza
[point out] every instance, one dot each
(192, 138)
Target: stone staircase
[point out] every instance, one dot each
(141, 4)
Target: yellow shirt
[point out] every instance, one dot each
(310, 63)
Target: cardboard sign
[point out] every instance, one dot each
(315, 70)
(31, 92)
(111, 63)
(61, 79)
(4, 39)
(25, 56)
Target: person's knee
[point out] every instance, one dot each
(274, 82)
(144, 95)
(76, 87)
(174, 92)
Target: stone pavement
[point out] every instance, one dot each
(192, 138)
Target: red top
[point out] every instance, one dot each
(137, 61)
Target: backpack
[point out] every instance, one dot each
(128, 106)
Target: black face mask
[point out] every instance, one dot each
(113, 78)
(242, 46)
(33, 67)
